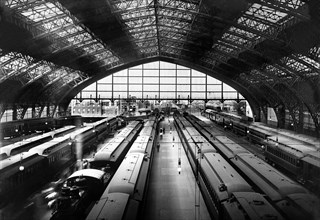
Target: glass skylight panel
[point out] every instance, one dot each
(55, 21)
(295, 4)
(140, 22)
(15, 64)
(275, 71)
(5, 58)
(39, 70)
(253, 24)
(224, 48)
(310, 61)
(149, 50)
(235, 39)
(183, 5)
(128, 15)
(242, 32)
(265, 13)
(127, 5)
(294, 64)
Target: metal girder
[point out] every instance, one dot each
(295, 8)
(51, 108)
(3, 107)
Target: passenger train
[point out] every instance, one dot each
(125, 194)
(285, 152)
(111, 153)
(27, 170)
(107, 160)
(17, 128)
(294, 201)
(26, 144)
(226, 193)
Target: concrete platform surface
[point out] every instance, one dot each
(173, 196)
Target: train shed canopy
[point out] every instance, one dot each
(269, 50)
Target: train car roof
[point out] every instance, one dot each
(292, 143)
(112, 207)
(125, 131)
(91, 173)
(133, 123)
(312, 158)
(15, 159)
(146, 131)
(108, 149)
(203, 144)
(8, 148)
(308, 202)
(272, 182)
(140, 144)
(223, 178)
(297, 150)
(40, 149)
(192, 131)
(13, 166)
(125, 178)
(228, 147)
(149, 123)
(250, 205)
(261, 130)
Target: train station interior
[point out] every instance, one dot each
(195, 83)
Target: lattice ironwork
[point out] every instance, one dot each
(60, 44)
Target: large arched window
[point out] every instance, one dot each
(159, 80)
(153, 82)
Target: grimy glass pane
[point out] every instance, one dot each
(167, 80)
(198, 81)
(133, 80)
(152, 88)
(119, 87)
(135, 87)
(169, 95)
(166, 65)
(120, 80)
(135, 73)
(103, 95)
(183, 73)
(153, 65)
(153, 73)
(183, 95)
(198, 88)
(151, 80)
(214, 95)
(169, 73)
(104, 87)
(164, 88)
(196, 95)
(183, 88)
(183, 80)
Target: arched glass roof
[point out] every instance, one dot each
(267, 50)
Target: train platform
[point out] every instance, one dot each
(291, 135)
(287, 136)
(173, 196)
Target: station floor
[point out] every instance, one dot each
(173, 196)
